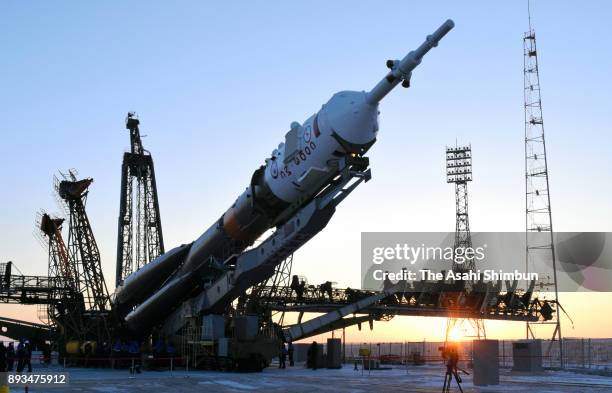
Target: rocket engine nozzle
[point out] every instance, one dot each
(401, 70)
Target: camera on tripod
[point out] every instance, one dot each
(450, 354)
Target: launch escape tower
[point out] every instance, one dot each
(459, 172)
(538, 218)
(140, 238)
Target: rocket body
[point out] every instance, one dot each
(295, 170)
(345, 124)
(299, 168)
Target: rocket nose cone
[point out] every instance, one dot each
(348, 115)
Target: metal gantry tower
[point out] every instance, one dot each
(538, 222)
(66, 309)
(84, 256)
(277, 285)
(82, 247)
(140, 238)
(59, 261)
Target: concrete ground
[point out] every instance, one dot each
(427, 378)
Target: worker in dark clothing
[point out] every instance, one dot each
(290, 353)
(312, 355)
(170, 349)
(10, 357)
(134, 351)
(282, 356)
(20, 355)
(28, 356)
(2, 357)
(309, 357)
(46, 350)
(116, 349)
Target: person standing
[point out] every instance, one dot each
(20, 355)
(46, 350)
(2, 357)
(28, 356)
(313, 353)
(282, 356)
(290, 353)
(134, 350)
(170, 349)
(3, 363)
(10, 357)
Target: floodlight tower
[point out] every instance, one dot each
(538, 217)
(459, 172)
(140, 238)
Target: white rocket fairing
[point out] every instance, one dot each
(302, 165)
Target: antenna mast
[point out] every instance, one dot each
(538, 221)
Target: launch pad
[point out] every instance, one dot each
(213, 300)
(422, 379)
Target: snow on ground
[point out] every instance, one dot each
(427, 378)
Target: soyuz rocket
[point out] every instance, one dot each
(294, 173)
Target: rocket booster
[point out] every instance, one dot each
(299, 168)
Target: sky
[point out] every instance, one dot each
(216, 85)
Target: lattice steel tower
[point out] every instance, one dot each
(82, 247)
(140, 238)
(459, 172)
(537, 196)
(67, 308)
(257, 298)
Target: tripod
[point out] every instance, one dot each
(451, 371)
